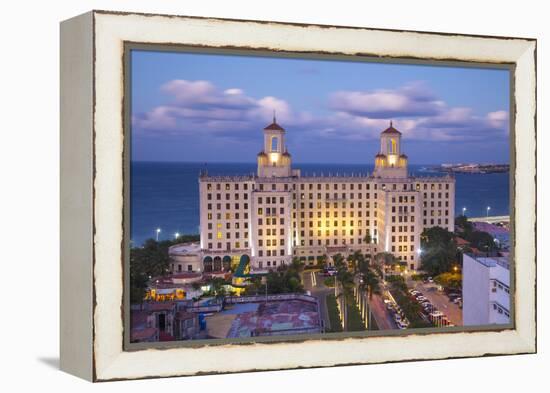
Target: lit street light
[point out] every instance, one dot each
(488, 208)
(176, 235)
(158, 232)
(463, 211)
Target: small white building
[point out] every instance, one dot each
(485, 290)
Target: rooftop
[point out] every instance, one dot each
(391, 130)
(491, 261)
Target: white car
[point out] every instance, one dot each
(401, 325)
(421, 298)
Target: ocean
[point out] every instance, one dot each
(165, 195)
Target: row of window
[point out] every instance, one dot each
(270, 211)
(401, 218)
(219, 235)
(270, 200)
(227, 196)
(335, 222)
(403, 238)
(227, 186)
(436, 213)
(335, 186)
(228, 206)
(402, 248)
(271, 221)
(335, 213)
(432, 204)
(335, 196)
(219, 245)
(436, 222)
(402, 209)
(271, 242)
(335, 242)
(439, 195)
(271, 253)
(236, 225)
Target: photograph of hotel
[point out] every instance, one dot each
(289, 196)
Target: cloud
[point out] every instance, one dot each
(201, 107)
(413, 99)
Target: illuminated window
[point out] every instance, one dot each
(275, 144)
(219, 235)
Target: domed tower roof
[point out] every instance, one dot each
(274, 126)
(262, 154)
(391, 130)
(286, 154)
(380, 155)
(403, 156)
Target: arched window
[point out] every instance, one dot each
(275, 143)
(393, 146)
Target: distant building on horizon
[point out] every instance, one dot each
(277, 214)
(485, 290)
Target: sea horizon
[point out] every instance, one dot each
(165, 194)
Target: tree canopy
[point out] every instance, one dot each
(150, 260)
(438, 250)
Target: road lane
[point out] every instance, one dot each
(381, 314)
(440, 301)
(314, 282)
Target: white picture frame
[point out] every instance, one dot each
(92, 192)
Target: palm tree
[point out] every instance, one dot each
(383, 259)
(367, 239)
(370, 284)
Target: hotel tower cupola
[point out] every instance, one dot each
(274, 160)
(390, 161)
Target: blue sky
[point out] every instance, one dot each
(212, 108)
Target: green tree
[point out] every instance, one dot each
(367, 239)
(383, 260)
(463, 223)
(322, 260)
(483, 241)
(449, 280)
(438, 250)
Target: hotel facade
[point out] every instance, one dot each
(277, 214)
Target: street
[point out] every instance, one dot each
(381, 314)
(439, 300)
(314, 282)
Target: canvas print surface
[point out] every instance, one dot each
(281, 196)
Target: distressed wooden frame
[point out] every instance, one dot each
(92, 155)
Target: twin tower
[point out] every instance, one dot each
(275, 160)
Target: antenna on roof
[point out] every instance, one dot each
(274, 118)
(391, 123)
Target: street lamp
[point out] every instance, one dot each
(176, 235)
(488, 208)
(158, 232)
(463, 211)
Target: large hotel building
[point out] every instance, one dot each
(277, 214)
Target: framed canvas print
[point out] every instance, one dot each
(248, 195)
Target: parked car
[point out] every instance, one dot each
(401, 325)
(421, 298)
(457, 300)
(430, 280)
